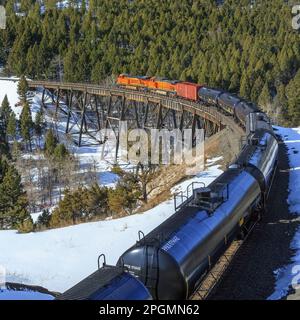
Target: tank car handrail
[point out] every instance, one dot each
(192, 185)
(186, 196)
(102, 255)
(139, 235)
(181, 195)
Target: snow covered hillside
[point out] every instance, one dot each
(57, 259)
(9, 88)
(290, 274)
(88, 157)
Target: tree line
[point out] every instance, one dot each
(36, 169)
(247, 47)
(13, 199)
(78, 202)
(95, 202)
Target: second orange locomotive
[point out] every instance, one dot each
(185, 90)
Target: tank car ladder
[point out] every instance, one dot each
(151, 277)
(151, 265)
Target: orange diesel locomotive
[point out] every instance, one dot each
(185, 90)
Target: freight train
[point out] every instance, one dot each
(226, 102)
(173, 259)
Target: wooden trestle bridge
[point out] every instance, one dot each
(88, 109)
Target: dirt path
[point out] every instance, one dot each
(267, 249)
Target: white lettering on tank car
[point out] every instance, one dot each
(130, 267)
(170, 244)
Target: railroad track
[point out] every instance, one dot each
(251, 275)
(214, 276)
(211, 281)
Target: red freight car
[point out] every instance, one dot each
(188, 90)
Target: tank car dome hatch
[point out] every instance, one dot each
(209, 199)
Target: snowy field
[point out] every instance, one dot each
(57, 259)
(290, 275)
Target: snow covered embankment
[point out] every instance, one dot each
(289, 276)
(57, 259)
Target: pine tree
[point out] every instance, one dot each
(39, 123)
(264, 97)
(245, 87)
(5, 112)
(44, 218)
(16, 150)
(293, 94)
(12, 126)
(70, 209)
(117, 200)
(26, 124)
(50, 143)
(257, 89)
(13, 201)
(281, 103)
(96, 201)
(127, 192)
(60, 152)
(26, 225)
(4, 148)
(234, 83)
(22, 88)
